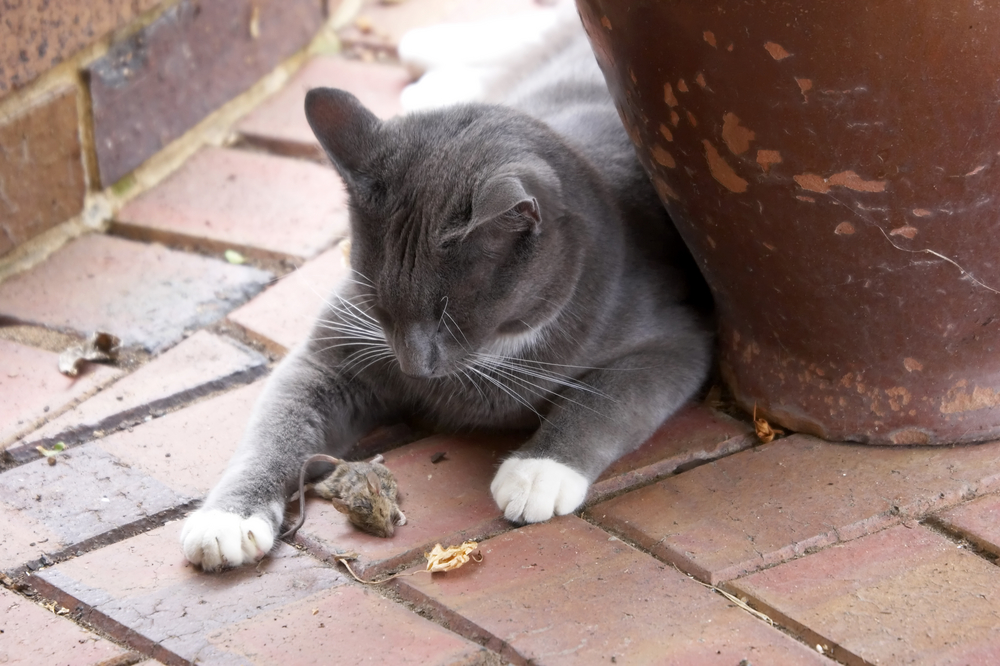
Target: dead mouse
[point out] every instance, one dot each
(364, 491)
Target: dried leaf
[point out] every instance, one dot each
(447, 559)
(765, 433)
(234, 257)
(99, 347)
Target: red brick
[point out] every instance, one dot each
(344, 625)
(141, 591)
(279, 124)
(41, 173)
(978, 521)
(31, 387)
(187, 450)
(145, 294)
(33, 635)
(563, 592)
(283, 315)
(197, 366)
(901, 596)
(389, 21)
(692, 435)
(87, 493)
(43, 33)
(153, 86)
(259, 204)
(761, 507)
(448, 502)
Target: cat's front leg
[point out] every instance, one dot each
(592, 426)
(304, 409)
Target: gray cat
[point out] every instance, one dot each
(512, 268)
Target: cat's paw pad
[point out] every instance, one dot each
(215, 539)
(530, 490)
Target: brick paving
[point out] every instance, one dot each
(854, 554)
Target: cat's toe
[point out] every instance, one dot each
(215, 539)
(530, 490)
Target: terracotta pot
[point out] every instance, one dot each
(834, 168)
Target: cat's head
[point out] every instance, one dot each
(458, 227)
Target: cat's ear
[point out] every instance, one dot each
(347, 130)
(526, 194)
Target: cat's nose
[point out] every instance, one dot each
(419, 354)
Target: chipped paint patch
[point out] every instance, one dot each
(632, 76)
(769, 246)
(776, 50)
(849, 179)
(606, 22)
(665, 131)
(765, 158)
(805, 198)
(812, 182)
(709, 37)
(805, 85)
(736, 136)
(692, 119)
(682, 86)
(958, 400)
(910, 436)
(721, 170)
(912, 364)
(853, 181)
(844, 229)
(663, 158)
(664, 190)
(700, 80)
(905, 232)
(899, 397)
(921, 212)
(668, 95)
(730, 47)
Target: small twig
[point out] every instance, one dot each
(736, 600)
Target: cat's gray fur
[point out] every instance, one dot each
(528, 232)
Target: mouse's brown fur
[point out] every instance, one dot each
(365, 491)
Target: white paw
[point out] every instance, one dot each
(217, 539)
(530, 490)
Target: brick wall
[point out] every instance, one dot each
(89, 91)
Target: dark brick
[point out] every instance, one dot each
(87, 493)
(261, 205)
(145, 294)
(142, 591)
(978, 521)
(41, 172)
(41, 33)
(279, 124)
(29, 634)
(152, 87)
(693, 435)
(775, 502)
(563, 592)
(902, 596)
(345, 625)
(199, 365)
(31, 387)
(283, 316)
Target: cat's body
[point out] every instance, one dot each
(512, 268)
